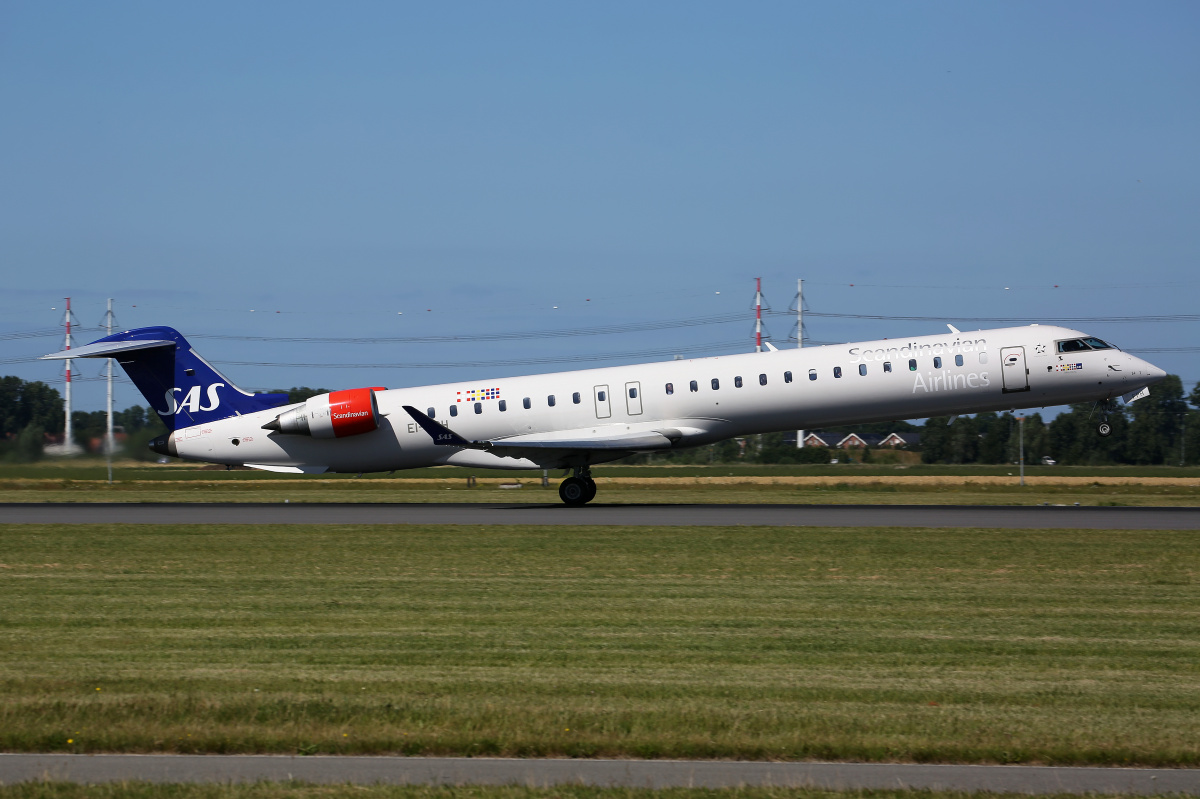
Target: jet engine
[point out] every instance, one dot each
(335, 415)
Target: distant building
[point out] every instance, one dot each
(820, 438)
(909, 439)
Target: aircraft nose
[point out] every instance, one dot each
(1153, 373)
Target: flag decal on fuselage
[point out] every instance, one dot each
(477, 394)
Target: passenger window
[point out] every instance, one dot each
(526, 403)
(575, 398)
(912, 364)
(983, 357)
(958, 360)
(670, 388)
(837, 371)
(695, 386)
(737, 382)
(812, 374)
(887, 366)
(550, 400)
(431, 416)
(503, 405)
(479, 407)
(716, 384)
(787, 377)
(937, 363)
(633, 393)
(862, 369)
(762, 380)
(600, 395)
(454, 410)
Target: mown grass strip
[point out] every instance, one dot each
(295, 790)
(1067, 647)
(864, 491)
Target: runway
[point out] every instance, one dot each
(606, 773)
(994, 516)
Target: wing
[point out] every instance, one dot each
(539, 445)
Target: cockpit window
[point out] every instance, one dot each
(1097, 344)
(1073, 345)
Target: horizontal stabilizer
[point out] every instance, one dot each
(105, 349)
(181, 387)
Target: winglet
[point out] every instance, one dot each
(953, 329)
(440, 433)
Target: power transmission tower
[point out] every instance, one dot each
(108, 324)
(68, 445)
(800, 340)
(758, 306)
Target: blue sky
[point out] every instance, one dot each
(402, 170)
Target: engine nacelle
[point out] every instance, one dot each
(335, 415)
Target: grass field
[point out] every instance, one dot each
(934, 485)
(922, 645)
(745, 490)
(302, 791)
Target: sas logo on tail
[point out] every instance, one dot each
(191, 402)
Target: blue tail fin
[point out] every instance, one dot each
(179, 385)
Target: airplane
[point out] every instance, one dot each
(575, 420)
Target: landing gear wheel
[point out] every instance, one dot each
(574, 491)
(1104, 429)
(591, 489)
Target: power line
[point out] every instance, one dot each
(657, 353)
(1015, 319)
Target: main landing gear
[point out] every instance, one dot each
(579, 489)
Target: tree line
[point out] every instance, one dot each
(1163, 428)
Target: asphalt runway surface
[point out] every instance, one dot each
(605, 773)
(994, 516)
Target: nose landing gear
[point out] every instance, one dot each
(1104, 428)
(579, 489)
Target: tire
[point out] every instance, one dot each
(573, 491)
(591, 489)
(1104, 429)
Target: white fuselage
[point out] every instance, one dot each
(698, 400)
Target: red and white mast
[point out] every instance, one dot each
(68, 439)
(758, 314)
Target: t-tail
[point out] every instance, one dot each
(181, 387)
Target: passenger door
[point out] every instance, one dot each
(603, 402)
(633, 398)
(1013, 370)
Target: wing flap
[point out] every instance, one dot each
(636, 441)
(577, 442)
